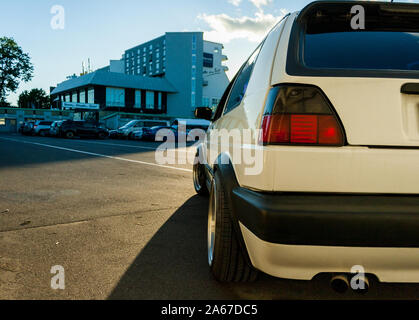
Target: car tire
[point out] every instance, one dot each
(225, 255)
(199, 179)
(69, 134)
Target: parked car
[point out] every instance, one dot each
(21, 126)
(137, 133)
(27, 128)
(179, 127)
(183, 127)
(149, 134)
(42, 128)
(70, 129)
(54, 130)
(135, 127)
(113, 134)
(337, 185)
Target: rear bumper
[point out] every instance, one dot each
(298, 236)
(298, 262)
(329, 220)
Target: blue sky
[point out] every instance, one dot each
(102, 29)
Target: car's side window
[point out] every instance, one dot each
(221, 104)
(240, 85)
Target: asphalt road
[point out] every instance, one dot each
(120, 225)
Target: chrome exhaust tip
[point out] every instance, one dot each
(340, 283)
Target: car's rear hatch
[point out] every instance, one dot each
(370, 75)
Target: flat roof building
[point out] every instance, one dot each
(172, 75)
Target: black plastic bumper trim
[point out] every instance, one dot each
(330, 220)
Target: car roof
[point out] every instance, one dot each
(193, 122)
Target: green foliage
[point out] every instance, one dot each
(36, 98)
(15, 67)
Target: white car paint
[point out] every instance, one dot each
(373, 113)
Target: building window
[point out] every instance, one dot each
(151, 47)
(83, 96)
(2, 122)
(137, 99)
(205, 102)
(160, 101)
(208, 60)
(149, 100)
(115, 97)
(91, 96)
(157, 54)
(67, 98)
(74, 97)
(157, 66)
(194, 42)
(215, 103)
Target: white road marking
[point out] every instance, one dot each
(114, 144)
(187, 149)
(97, 154)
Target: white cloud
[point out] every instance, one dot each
(235, 2)
(259, 3)
(224, 28)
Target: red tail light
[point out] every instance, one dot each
(300, 115)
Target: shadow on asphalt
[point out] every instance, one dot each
(173, 265)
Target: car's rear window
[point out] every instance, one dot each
(382, 37)
(375, 50)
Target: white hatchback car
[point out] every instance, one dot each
(336, 110)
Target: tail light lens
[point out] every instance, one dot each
(300, 115)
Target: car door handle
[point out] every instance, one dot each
(410, 88)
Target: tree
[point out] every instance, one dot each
(15, 67)
(36, 98)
